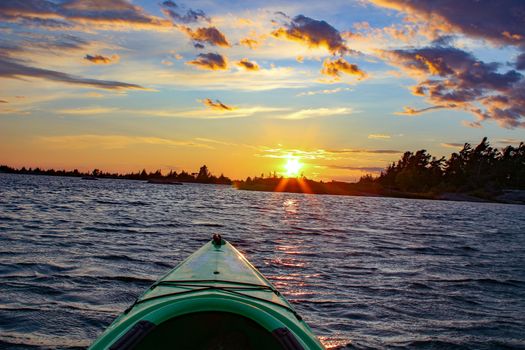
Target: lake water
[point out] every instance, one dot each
(363, 271)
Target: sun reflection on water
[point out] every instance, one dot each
(290, 206)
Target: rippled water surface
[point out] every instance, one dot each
(367, 272)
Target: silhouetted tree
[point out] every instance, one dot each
(203, 174)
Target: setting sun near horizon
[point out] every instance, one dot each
(292, 166)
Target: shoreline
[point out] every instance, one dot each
(505, 197)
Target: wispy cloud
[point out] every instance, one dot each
(217, 105)
(217, 142)
(379, 136)
(113, 141)
(320, 154)
(316, 113)
(510, 141)
(215, 110)
(412, 111)
(78, 13)
(323, 92)
(87, 111)
(363, 169)
(454, 145)
(362, 150)
(215, 113)
(10, 68)
(235, 80)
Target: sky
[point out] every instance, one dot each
(344, 87)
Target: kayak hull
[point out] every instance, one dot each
(214, 299)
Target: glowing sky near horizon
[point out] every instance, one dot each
(344, 87)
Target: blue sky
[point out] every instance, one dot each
(241, 86)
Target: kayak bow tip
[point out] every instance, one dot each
(217, 240)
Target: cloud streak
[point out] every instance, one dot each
(99, 59)
(455, 145)
(71, 13)
(10, 68)
(412, 111)
(319, 154)
(323, 92)
(113, 141)
(216, 105)
(379, 137)
(87, 111)
(316, 113)
(358, 168)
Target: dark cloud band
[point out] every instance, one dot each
(15, 69)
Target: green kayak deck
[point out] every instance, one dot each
(215, 299)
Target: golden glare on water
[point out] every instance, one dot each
(293, 166)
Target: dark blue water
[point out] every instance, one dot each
(370, 272)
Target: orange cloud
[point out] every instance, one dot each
(211, 61)
(453, 145)
(313, 33)
(67, 15)
(99, 59)
(379, 137)
(248, 65)
(334, 68)
(210, 35)
(412, 111)
(249, 42)
(216, 105)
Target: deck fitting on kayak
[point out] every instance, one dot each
(217, 239)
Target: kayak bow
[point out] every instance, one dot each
(215, 299)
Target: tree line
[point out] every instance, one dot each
(203, 176)
(479, 168)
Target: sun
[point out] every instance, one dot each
(293, 166)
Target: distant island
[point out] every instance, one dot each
(480, 173)
(203, 176)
